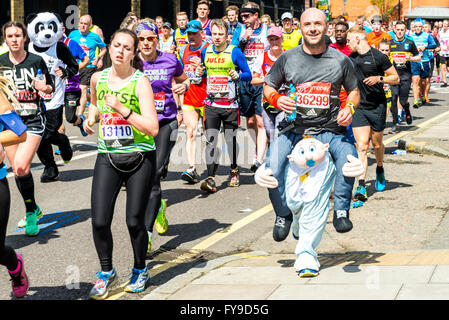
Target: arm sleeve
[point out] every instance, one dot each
(66, 56)
(432, 44)
(48, 77)
(239, 60)
(203, 58)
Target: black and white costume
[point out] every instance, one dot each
(44, 31)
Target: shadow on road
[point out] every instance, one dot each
(48, 225)
(189, 232)
(79, 292)
(75, 175)
(350, 261)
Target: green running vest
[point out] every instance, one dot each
(116, 135)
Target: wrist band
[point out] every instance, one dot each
(129, 114)
(351, 106)
(273, 99)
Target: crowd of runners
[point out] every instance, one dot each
(338, 81)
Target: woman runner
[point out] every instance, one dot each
(9, 135)
(161, 69)
(123, 100)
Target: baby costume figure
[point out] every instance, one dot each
(309, 178)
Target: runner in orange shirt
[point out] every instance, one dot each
(377, 35)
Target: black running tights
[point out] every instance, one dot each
(106, 185)
(164, 141)
(8, 256)
(214, 119)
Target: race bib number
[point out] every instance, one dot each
(218, 85)
(117, 132)
(181, 41)
(254, 49)
(313, 98)
(159, 101)
(400, 58)
(46, 96)
(26, 109)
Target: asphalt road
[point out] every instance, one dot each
(61, 261)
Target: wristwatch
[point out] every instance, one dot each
(381, 79)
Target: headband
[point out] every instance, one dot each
(249, 10)
(147, 26)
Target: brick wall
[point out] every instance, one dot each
(355, 8)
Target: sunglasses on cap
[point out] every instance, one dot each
(149, 38)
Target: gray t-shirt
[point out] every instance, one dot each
(318, 80)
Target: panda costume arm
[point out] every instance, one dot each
(66, 56)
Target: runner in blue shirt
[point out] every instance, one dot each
(73, 90)
(421, 70)
(89, 42)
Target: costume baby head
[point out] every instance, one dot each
(44, 29)
(308, 153)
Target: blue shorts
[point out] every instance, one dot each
(421, 69)
(250, 99)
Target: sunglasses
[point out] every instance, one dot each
(246, 16)
(149, 38)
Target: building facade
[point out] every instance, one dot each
(355, 8)
(109, 14)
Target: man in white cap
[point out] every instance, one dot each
(292, 37)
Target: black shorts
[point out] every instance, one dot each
(229, 117)
(374, 118)
(35, 124)
(72, 99)
(85, 75)
(250, 99)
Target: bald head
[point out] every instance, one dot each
(84, 24)
(314, 14)
(87, 18)
(313, 28)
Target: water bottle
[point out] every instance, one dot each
(399, 152)
(40, 76)
(292, 95)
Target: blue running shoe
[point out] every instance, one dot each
(308, 273)
(100, 290)
(138, 280)
(84, 133)
(360, 194)
(381, 183)
(356, 204)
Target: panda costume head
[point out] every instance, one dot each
(44, 29)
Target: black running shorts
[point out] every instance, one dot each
(374, 118)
